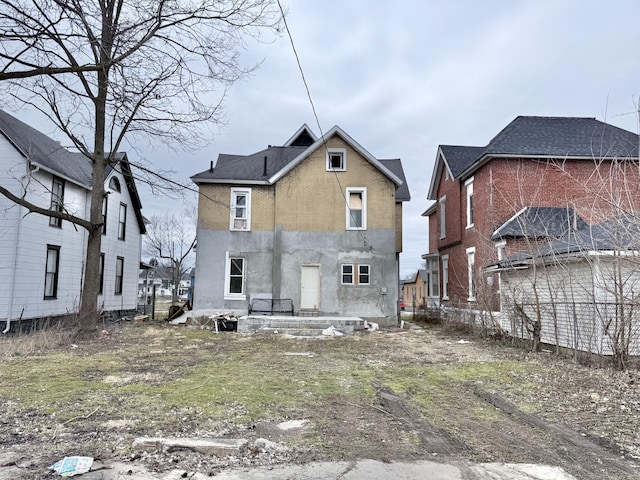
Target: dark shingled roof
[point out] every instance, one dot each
(460, 158)
(539, 222)
(251, 168)
(395, 166)
(42, 150)
(557, 137)
(563, 137)
(621, 233)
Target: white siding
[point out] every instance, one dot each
(574, 301)
(24, 239)
(113, 248)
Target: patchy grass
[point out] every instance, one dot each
(155, 379)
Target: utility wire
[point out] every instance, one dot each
(315, 115)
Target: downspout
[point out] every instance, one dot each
(15, 252)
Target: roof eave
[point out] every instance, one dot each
(51, 171)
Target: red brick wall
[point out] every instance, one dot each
(502, 187)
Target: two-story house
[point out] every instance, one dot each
(536, 179)
(317, 220)
(42, 258)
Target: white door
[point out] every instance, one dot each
(310, 287)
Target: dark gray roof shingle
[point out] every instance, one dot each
(459, 158)
(45, 151)
(621, 233)
(539, 222)
(395, 166)
(36, 147)
(250, 167)
(558, 137)
(563, 137)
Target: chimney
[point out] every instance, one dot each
(211, 167)
(264, 171)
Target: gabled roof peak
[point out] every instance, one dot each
(303, 137)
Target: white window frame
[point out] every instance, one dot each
(442, 202)
(233, 226)
(228, 295)
(500, 245)
(363, 191)
(469, 187)
(336, 151)
(445, 277)
(361, 274)
(434, 278)
(344, 273)
(122, 221)
(471, 263)
(356, 273)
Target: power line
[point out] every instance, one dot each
(315, 115)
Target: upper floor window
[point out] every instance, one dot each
(336, 159)
(114, 184)
(122, 222)
(57, 201)
(51, 272)
(240, 209)
(356, 208)
(443, 216)
(105, 204)
(469, 187)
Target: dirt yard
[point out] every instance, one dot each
(417, 393)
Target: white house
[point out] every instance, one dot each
(42, 258)
(583, 289)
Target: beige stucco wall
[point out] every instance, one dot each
(310, 198)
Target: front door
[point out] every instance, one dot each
(310, 287)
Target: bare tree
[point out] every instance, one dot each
(102, 69)
(171, 239)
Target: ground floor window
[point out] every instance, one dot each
(51, 272)
(235, 277)
(471, 262)
(355, 274)
(119, 275)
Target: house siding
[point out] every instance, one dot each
(574, 301)
(24, 239)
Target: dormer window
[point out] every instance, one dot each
(336, 159)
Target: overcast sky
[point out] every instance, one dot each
(403, 77)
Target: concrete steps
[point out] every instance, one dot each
(300, 326)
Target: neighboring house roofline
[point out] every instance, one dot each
(431, 210)
(569, 138)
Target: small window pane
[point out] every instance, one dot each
(363, 274)
(347, 274)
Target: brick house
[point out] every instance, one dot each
(317, 221)
(536, 173)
